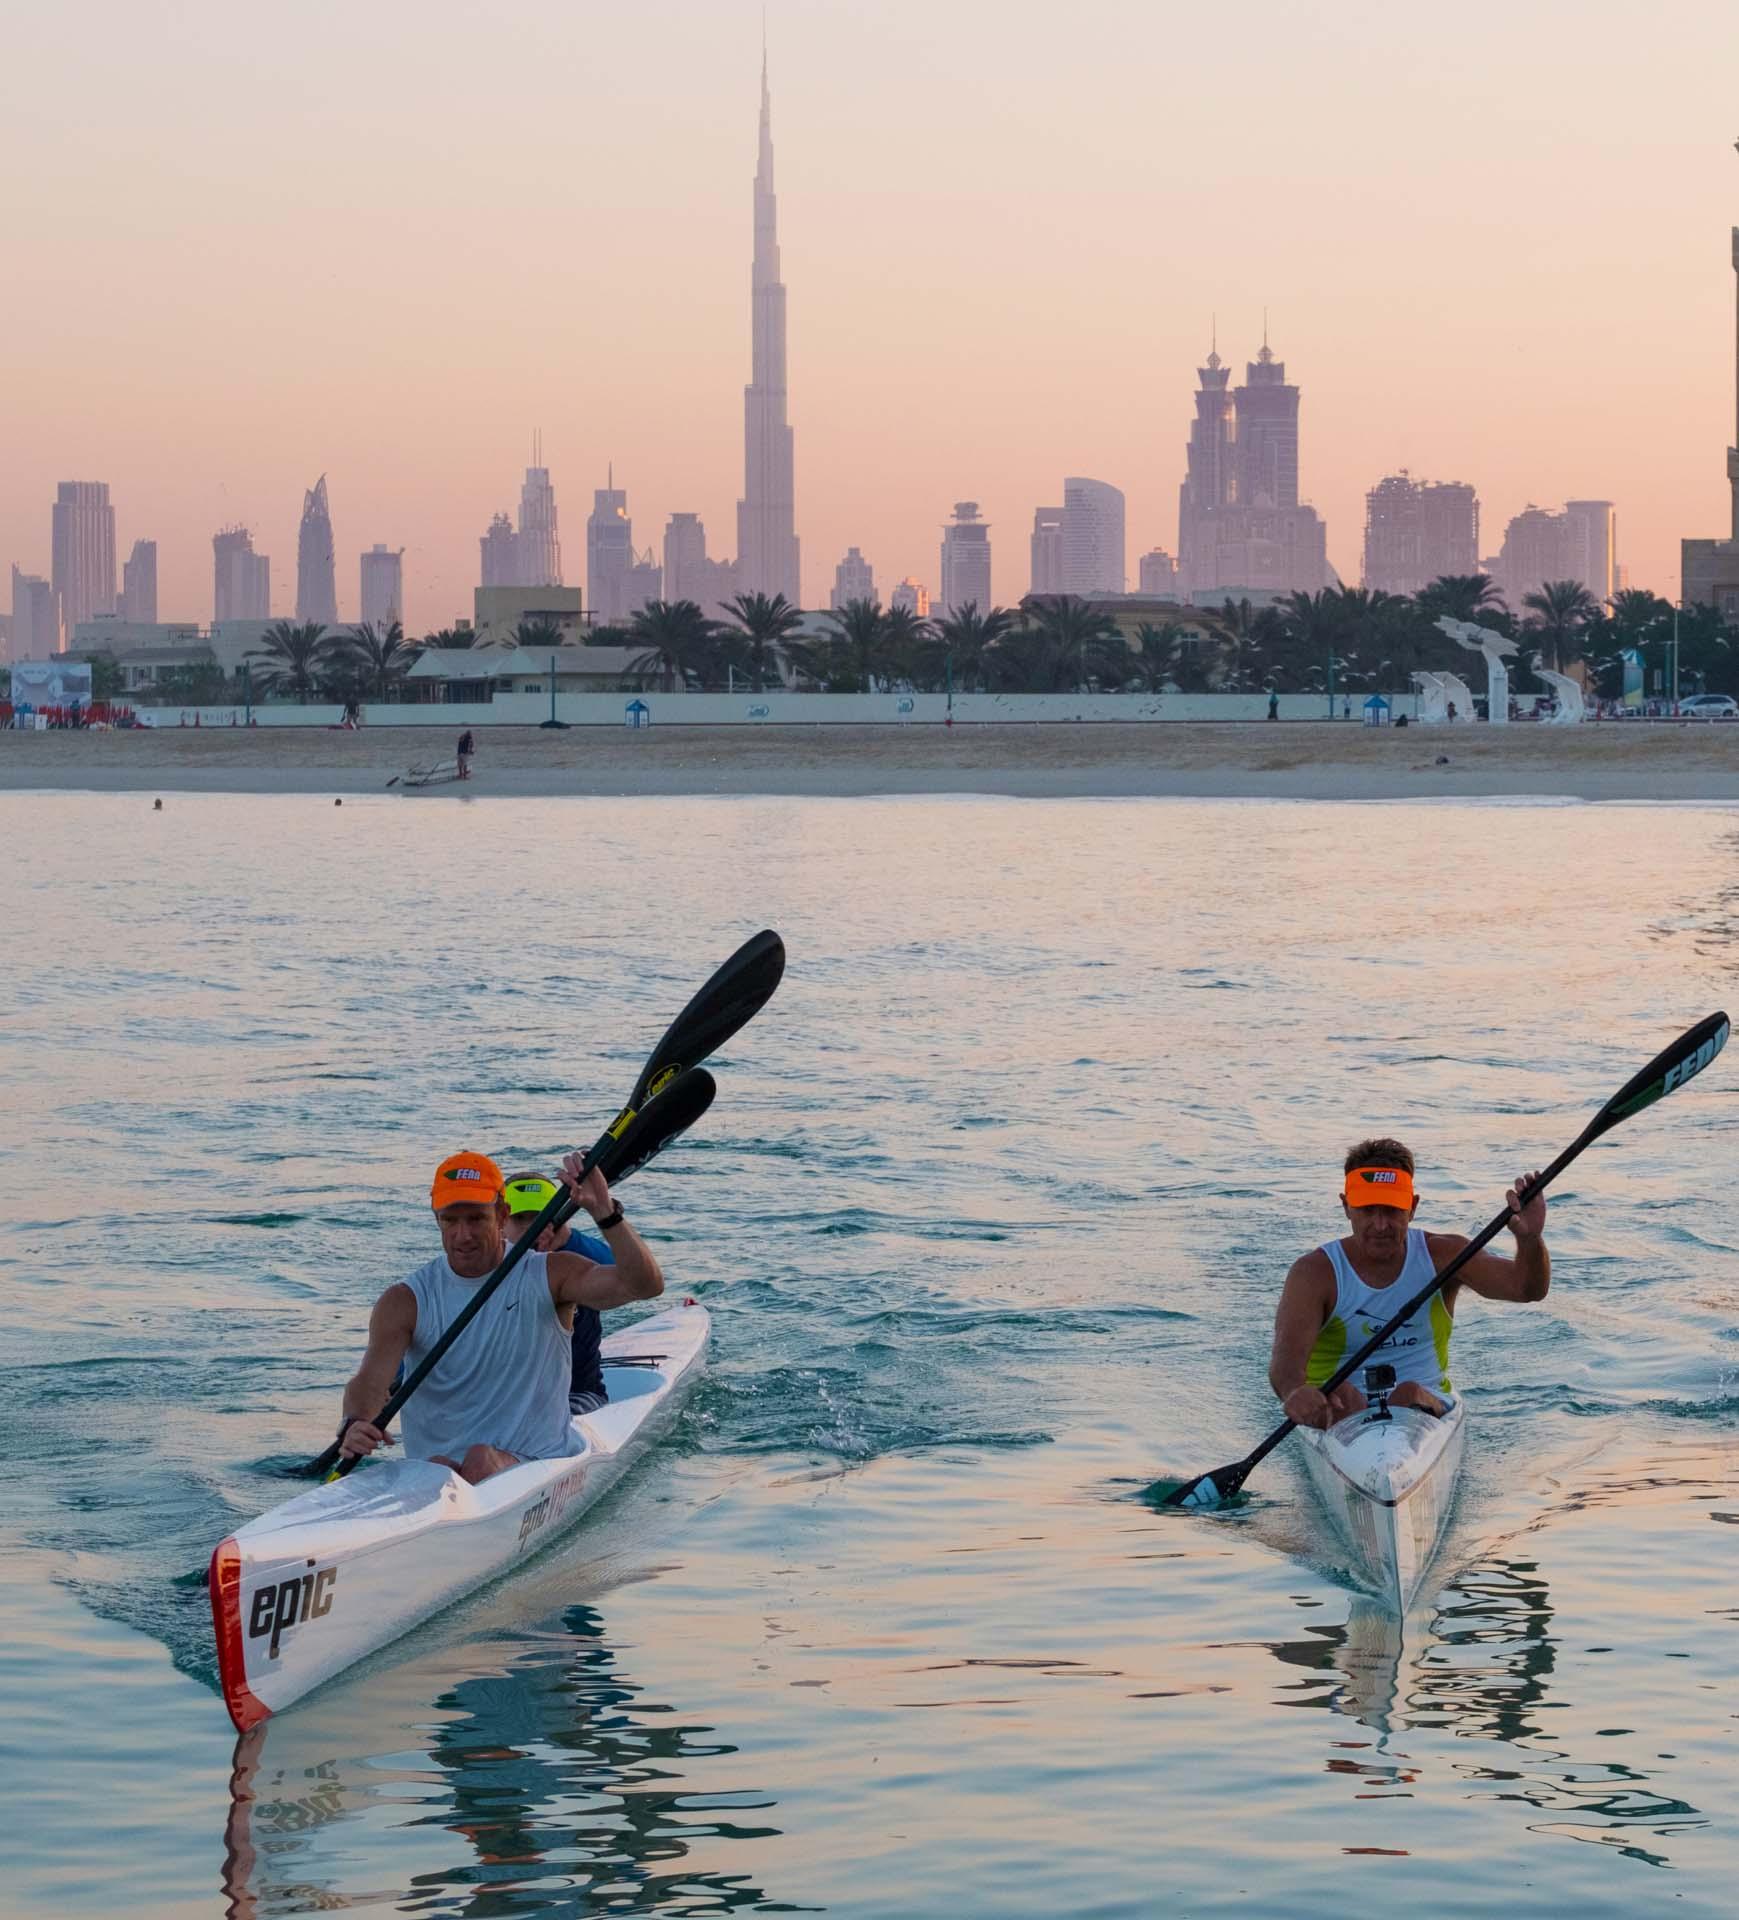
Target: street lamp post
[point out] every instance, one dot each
(1676, 606)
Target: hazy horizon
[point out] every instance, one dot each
(386, 245)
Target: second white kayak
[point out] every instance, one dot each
(1387, 1482)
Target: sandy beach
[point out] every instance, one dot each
(1625, 761)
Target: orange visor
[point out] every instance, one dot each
(1380, 1187)
(466, 1179)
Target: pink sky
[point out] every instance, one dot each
(383, 241)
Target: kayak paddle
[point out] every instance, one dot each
(736, 992)
(1667, 1071)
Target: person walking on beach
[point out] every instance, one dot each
(467, 746)
(1273, 705)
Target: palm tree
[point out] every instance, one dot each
(1069, 623)
(675, 639)
(1238, 618)
(852, 658)
(1150, 666)
(1189, 660)
(1562, 611)
(381, 657)
(537, 636)
(1463, 596)
(904, 643)
(1316, 625)
(455, 638)
(965, 638)
(765, 621)
(292, 658)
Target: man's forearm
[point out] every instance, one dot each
(1534, 1264)
(637, 1269)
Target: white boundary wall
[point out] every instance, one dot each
(793, 709)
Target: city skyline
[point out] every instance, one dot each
(900, 384)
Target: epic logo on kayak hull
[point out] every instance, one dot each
(288, 1603)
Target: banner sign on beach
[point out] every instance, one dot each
(51, 683)
(1632, 677)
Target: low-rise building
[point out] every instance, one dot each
(467, 674)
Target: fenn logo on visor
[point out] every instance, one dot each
(1379, 1187)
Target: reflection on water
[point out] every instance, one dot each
(560, 1781)
(1478, 1668)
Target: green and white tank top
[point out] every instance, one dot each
(1418, 1349)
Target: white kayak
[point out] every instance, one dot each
(329, 1577)
(1388, 1483)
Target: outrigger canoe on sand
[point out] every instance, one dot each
(333, 1575)
(441, 774)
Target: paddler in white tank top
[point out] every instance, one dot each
(499, 1395)
(1338, 1296)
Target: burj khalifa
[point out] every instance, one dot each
(766, 514)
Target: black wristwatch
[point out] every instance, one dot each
(612, 1219)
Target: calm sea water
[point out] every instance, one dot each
(991, 1214)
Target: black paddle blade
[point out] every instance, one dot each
(651, 1130)
(1212, 1490)
(728, 1001)
(1667, 1071)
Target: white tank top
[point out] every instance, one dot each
(504, 1381)
(1418, 1349)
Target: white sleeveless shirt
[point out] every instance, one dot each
(504, 1381)
(1418, 1349)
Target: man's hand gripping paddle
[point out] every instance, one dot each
(1685, 1058)
(671, 1093)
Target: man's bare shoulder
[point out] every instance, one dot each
(1443, 1247)
(1313, 1270)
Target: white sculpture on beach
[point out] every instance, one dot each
(1497, 649)
(1572, 704)
(1433, 701)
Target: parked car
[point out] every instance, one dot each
(1709, 706)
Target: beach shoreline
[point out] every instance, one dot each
(1686, 763)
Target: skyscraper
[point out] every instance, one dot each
(1241, 526)
(1577, 544)
(911, 596)
(1416, 531)
(316, 569)
(1094, 543)
(139, 584)
(766, 515)
(1265, 410)
(539, 547)
(609, 553)
(83, 571)
(966, 560)
(383, 587)
(35, 630)
(689, 574)
(1208, 481)
(1158, 572)
(1047, 571)
(1591, 537)
(1078, 547)
(500, 553)
(242, 579)
(1709, 569)
(853, 579)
